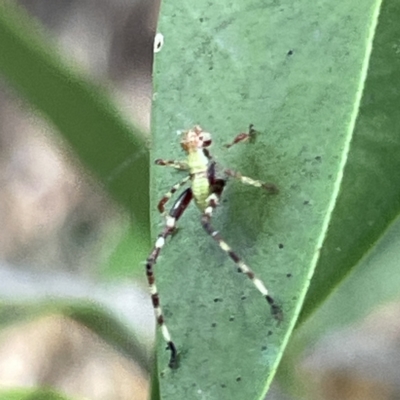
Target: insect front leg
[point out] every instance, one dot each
(244, 137)
(177, 210)
(213, 201)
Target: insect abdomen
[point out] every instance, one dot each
(198, 163)
(200, 189)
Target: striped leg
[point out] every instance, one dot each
(172, 163)
(167, 196)
(270, 187)
(173, 216)
(206, 223)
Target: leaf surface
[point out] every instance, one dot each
(295, 71)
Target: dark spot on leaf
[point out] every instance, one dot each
(306, 202)
(318, 158)
(269, 333)
(289, 275)
(243, 297)
(280, 245)
(231, 318)
(238, 379)
(263, 348)
(217, 299)
(213, 325)
(201, 19)
(223, 385)
(290, 52)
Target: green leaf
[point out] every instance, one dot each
(374, 282)
(369, 199)
(32, 394)
(296, 71)
(113, 150)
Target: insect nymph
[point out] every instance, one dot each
(206, 190)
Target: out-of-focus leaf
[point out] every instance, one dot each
(369, 199)
(113, 150)
(32, 394)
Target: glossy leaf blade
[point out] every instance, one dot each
(295, 71)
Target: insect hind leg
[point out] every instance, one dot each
(257, 282)
(177, 210)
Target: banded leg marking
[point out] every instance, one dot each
(151, 260)
(167, 196)
(179, 207)
(258, 283)
(270, 187)
(172, 163)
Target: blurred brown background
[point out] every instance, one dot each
(54, 217)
